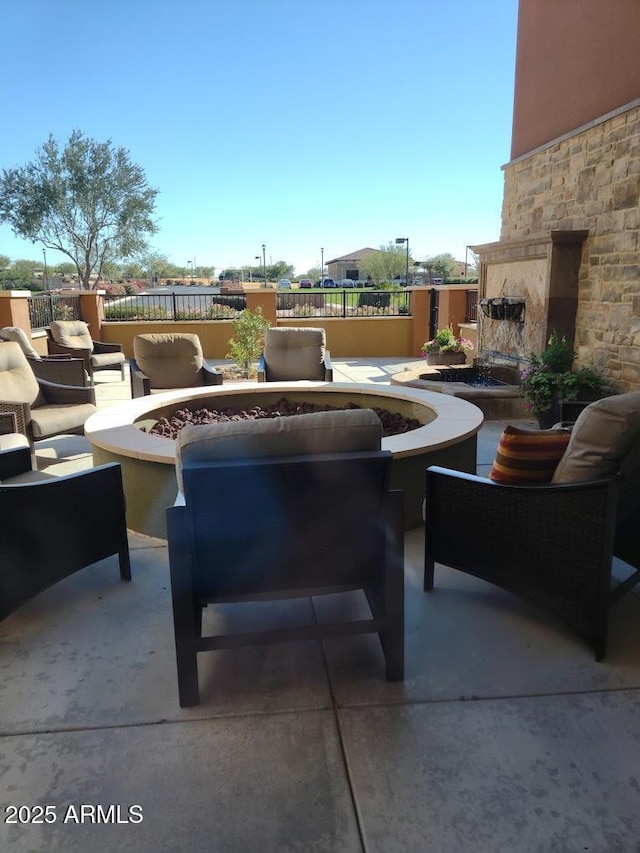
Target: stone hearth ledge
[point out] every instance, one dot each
(148, 462)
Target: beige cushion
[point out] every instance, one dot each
(71, 333)
(602, 436)
(294, 353)
(17, 381)
(106, 359)
(13, 441)
(14, 333)
(345, 431)
(52, 419)
(170, 360)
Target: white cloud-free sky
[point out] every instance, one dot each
(339, 124)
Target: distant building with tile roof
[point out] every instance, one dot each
(348, 266)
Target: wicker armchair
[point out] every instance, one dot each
(61, 369)
(550, 544)
(285, 468)
(72, 337)
(50, 527)
(294, 353)
(41, 409)
(163, 361)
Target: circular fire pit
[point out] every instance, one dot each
(447, 436)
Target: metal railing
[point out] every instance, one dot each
(174, 306)
(45, 307)
(345, 303)
(471, 308)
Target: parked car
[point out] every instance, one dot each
(305, 282)
(284, 284)
(347, 282)
(326, 282)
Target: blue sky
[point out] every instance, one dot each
(340, 125)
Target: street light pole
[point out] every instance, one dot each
(321, 264)
(264, 264)
(46, 274)
(399, 241)
(188, 263)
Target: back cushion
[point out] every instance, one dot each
(526, 456)
(71, 333)
(169, 360)
(14, 333)
(17, 381)
(294, 353)
(346, 431)
(602, 436)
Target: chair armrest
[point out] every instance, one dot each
(14, 462)
(506, 534)
(211, 375)
(140, 382)
(66, 394)
(54, 348)
(102, 346)
(62, 370)
(21, 414)
(262, 369)
(328, 369)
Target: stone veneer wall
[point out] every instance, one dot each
(590, 180)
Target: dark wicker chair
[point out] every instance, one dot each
(550, 544)
(169, 360)
(41, 408)
(292, 353)
(60, 369)
(72, 337)
(51, 526)
(284, 546)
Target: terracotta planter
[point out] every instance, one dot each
(446, 358)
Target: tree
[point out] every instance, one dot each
(248, 339)
(88, 201)
(389, 263)
(441, 266)
(279, 270)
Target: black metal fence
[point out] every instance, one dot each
(344, 303)
(471, 310)
(45, 307)
(174, 306)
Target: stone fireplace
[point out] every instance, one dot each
(528, 288)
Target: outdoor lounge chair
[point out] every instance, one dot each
(53, 526)
(163, 361)
(248, 528)
(72, 337)
(41, 408)
(294, 353)
(551, 544)
(62, 369)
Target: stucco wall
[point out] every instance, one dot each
(590, 180)
(577, 60)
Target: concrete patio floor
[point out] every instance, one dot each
(506, 735)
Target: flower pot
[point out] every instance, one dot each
(549, 417)
(446, 358)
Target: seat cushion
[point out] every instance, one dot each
(13, 441)
(602, 436)
(56, 419)
(526, 457)
(106, 359)
(345, 431)
(170, 360)
(294, 353)
(71, 333)
(15, 333)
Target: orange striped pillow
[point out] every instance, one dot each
(526, 457)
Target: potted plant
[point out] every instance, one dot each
(446, 348)
(549, 379)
